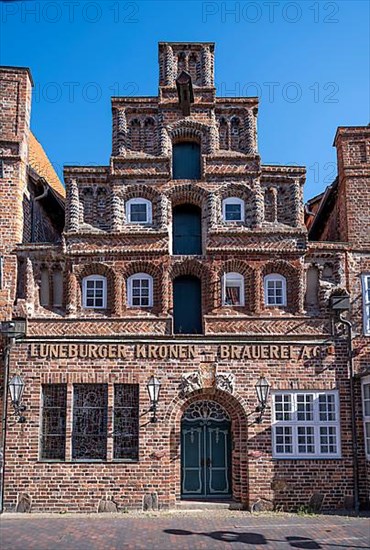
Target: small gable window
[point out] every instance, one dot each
(275, 290)
(140, 290)
(233, 289)
(233, 209)
(94, 292)
(139, 211)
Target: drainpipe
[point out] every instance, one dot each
(35, 199)
(8, 344)
(356, 501)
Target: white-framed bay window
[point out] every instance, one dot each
(365, 383)
(305, 424)
(140, 290)
(94, 292)
(274, 286)
(233, 209)
(365, 280)
(232, 289)
(139, 211)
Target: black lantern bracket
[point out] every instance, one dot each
(262, 390)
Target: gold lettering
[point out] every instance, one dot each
(43, 350)
(121, 351)
(174, 352)
(305, 353)
(33, 350)
(256, 352)
(112, 351)
(265, 352)
(103, 351)
(162, 352)
(63, 352)
(152, 352)
(274, 352)
(73, 350)
(140, 352)
(93, 351)
(246, 352)
(224, 352)
(182, 352)
(192, 352)
(285, 352)
(235, 352)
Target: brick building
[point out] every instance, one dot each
(188, 260)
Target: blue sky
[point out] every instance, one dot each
(308, 62)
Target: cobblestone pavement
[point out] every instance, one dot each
(183, 530)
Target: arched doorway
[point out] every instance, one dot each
(187, 229)
(186, 161)
(205, 451)
(187, 305)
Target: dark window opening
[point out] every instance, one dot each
(89, 440)
(187, 305)
(126, 421)
(187, 230)
(186, 161)
(53, 428)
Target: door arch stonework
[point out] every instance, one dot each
(236, 409)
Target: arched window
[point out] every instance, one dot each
(186, 161)
(139, 211)
(275, 290)
(233, 209)
(140, 290)
(233, 289)
(94, 292)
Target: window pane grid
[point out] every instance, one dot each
(53, 425)
(139, 292)
(126, 422)
(94, 291)
(312, 420)
(89, 438)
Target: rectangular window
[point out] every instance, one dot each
(366, 413)
(366, 302)
(53, 423)
(94, 293)
(275, 293)
(233, 291)
(141, 292)
(138, 213)
(305, 424)
(126, 422)
(233, 212)
(89, 437)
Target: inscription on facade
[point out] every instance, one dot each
(177, 351)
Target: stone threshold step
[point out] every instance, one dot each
(208, 505)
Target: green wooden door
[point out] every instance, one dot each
(186, 161)
(187, 305)
(206, 460)
(187, 230)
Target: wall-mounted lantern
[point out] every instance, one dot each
(262, 391)
(16, 388)
(153, 387)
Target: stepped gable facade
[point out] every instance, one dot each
(185, 262)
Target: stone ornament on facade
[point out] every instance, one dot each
(198, 380)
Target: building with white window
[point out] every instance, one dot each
(183, 339)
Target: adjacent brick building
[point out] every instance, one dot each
(188, 260)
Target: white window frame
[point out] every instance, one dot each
(274, 277)
(85, 280)
(313, 423)
(365, 280)
(135, 277)
(148, 204)
(233, 200)
(366, 417)
(238, 280)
